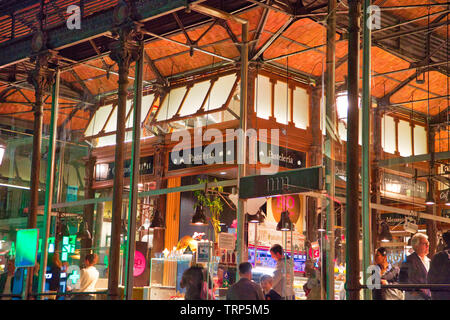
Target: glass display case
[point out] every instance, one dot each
(165, 276)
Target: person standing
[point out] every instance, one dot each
(7, 279)
(266, 285)
(312, 287)
(440, 270)
(414, 269)
(192, 280)
(388, 275)
(283, 282)
(88, 278)
(245, 288)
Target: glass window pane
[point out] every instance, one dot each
(301, 108)
(281, 102)
(420, 140)
(98, 120)
(195, 98)
(263, 92)
(171, 103)
(404, 139)
(220, 92)
(388, 134)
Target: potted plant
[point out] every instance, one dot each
(210, 199)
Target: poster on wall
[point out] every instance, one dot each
(141, 268)
(203, 252)
(227, 241)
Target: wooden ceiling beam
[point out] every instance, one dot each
(259, 29)
(155, 70)
(274, 37)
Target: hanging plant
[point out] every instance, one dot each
(210, 199)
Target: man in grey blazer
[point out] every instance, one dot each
(414, 269)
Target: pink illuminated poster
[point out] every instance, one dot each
(139, 264)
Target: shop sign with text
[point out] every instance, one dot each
(105, 171)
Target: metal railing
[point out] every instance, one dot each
(70, 293)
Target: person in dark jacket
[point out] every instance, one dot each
(414, 269)
(245, 288)
(389, 275)
(440, 270)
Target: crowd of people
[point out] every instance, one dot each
(280, 286)
(417, 269)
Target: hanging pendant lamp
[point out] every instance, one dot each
(157, 221)
(385, 234)
(430, 198)
(199, 217)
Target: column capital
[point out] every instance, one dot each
(42, 77)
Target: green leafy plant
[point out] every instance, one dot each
(211, 200)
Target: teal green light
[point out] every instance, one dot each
(12, 251)
(26, 247)
(74, 276)
(65, 249)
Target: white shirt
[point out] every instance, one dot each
(426, 262)
(282, 282)
(88, 279)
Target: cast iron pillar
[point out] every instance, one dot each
(315, 159)
(352, 192)
(375, 181)
(329, 146)
(134, 176)
(431, 224)
(124, 52)
(160, 201)
(41, 78)
(88, 210)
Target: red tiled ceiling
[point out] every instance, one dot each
(253, 17)
(307, 32)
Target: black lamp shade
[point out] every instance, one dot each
(429, 201)
(157, 221)
(385, 234)
(223, 227)
(285, 224)
(199, 217)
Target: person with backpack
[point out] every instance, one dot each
(440, 270)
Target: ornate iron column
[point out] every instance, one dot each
(41, 78)
(431, 224)
(124, 51)
(352, 192)
(330, 145)
(375, 180)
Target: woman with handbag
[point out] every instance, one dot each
(389, 275)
